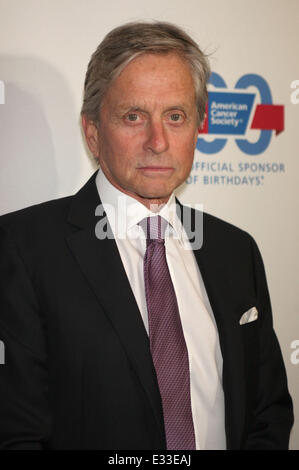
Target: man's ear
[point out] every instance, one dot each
(91, 135)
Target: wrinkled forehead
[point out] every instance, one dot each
(153, 78)
(154, 62)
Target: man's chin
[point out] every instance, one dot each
(155, 195)
(160, 190)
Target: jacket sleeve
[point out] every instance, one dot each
(273, 418)
(24, 409)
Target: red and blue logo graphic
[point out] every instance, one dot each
(232, 113)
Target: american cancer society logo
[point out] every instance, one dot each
(234, 113)
(247, 115)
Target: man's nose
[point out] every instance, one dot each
(156, 138)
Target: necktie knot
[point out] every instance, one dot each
(154, 229)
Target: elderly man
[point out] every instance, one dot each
(130, 335)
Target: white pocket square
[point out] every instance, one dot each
(249, 316)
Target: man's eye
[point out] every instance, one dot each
(176, 117)
(132, 117)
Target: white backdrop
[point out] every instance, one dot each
(45, 46)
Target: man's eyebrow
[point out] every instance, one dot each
(127, 108)
(132, 108)
(181, 107)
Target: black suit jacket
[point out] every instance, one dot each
(78, 373)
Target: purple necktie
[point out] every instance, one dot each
(167, 342)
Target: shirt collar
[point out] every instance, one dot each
(124, 212)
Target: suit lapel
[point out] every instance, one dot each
(100, 262)
(219, 291)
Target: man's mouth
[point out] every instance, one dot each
(156, 169)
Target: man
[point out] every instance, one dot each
(130, 335)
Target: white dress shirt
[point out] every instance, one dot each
(199, 327)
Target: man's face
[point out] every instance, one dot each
(148, 127)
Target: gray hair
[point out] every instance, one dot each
(130, 40)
